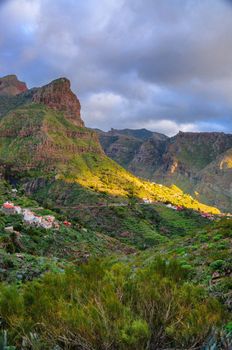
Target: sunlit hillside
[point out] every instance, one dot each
(37, 141)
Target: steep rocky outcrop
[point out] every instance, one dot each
(11, 86)
(59, 96)
(41, 128)
(56, 95)
(34, 137)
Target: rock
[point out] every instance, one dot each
(125, 234)
(59, 96)
(10, 85)
(9, 229)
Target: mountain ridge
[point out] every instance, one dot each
(43, 135)
(178, 160)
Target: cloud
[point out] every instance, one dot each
(100, 105)
(162, 64)
(169, 127)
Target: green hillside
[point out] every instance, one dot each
(37, 141)
(59, 282)
(93, 257)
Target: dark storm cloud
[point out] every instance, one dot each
(162, 64)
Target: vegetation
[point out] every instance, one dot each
(114, 273)
(59, 292)
(39, 142)
(110, 306)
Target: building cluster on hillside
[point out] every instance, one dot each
(29, 217)
(147, 201)
(175, 207)
(226, 215)
(208, 216)
(202, 214)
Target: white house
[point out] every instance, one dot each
(18, 210)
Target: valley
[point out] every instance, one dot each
(93, 257)
(198, 163)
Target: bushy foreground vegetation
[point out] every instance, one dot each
(105, 305)
(133, 300)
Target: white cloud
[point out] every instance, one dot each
(167, 127)
(100, 106)
(153, 63)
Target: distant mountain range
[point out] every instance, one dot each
(199, 163)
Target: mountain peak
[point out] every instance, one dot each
(11, 86)
(59, 96)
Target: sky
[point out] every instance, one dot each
(164, 65)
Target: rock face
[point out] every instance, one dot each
(196, 162)
(58, 96)
(119, 147)
(127, 147)
(215, 181)
(11, 86)
(151, 152)
(187, 154)
(41, 128)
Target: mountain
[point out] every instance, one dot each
(192, 161)
(141, 134)
(124, 145)
(10, 85)
(84, 262)
(43, 142)
(215, 181)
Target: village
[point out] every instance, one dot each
(31, 218)
(49, 221)
(180, 208)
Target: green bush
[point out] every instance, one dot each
(104, 306)
(217, 265)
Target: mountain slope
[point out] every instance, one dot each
(45, 137)
(124, 146)
(187, 160)
(57, 290)
(215, 182)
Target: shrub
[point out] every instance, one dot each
(217, 265)
(111, 306)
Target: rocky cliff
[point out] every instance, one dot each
(41, 128)
(58, 96)
(10, 85)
